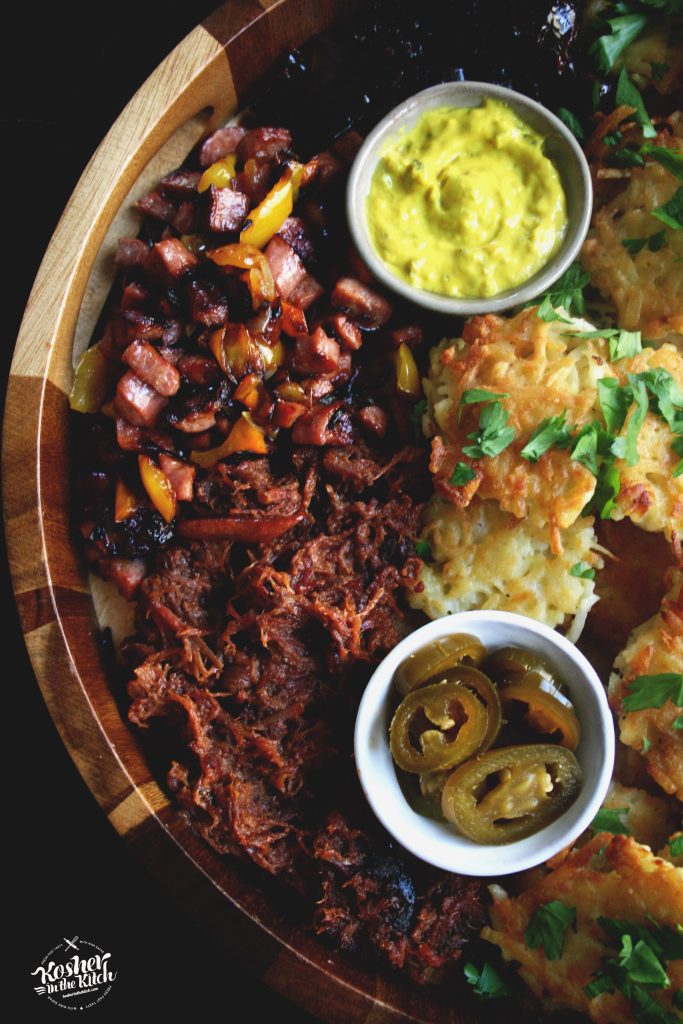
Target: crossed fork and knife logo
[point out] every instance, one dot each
(68, 944)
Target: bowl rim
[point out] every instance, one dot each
(391, 124)
(437, 843)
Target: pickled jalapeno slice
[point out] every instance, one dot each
(480, 684)
(437, 727)
(545, 714)
(425, 665)
(509, 793)
(510, 666)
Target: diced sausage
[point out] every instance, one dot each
(156, 206)
(137, 402)
(306, 292)
(322, 425)
(208, 306)
(185, 219)
(348, 333)
(198, 369)
(181, 182)
(329, 167)
(181, 475)
(218, 145)
(129, 325)
(175, 259)
(285, 414)
(296, 233)
(347, 145)
(287, 269)
(253, 180)
(128, 437)
(151, 367)
(133, 296)
(196, 422)
(316, 353)
(130, 252)
(127, 574)
(263, 143)
(411, 335)
(227, 209)
(173, 332)
(373, 420)
(361, 302)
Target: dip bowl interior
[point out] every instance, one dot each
(438, 842)
(560, 147)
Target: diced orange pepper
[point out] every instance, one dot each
(219, 174)
(125, 501)
(270, 214)
(293, 320)
(158, 487)
(236, 351)
(247, 257)
(249, 391)
(245, 436)
(91, 381)
(407, 374)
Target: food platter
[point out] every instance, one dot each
(200, 86)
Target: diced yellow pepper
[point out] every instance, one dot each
(219, 174)
(273, 356)
(125, 502)
(91, 381)
(407, 375)
(248, 257)
(245, 436)
(249, 391)
(269, 216)
(158, 487)
(290, 391)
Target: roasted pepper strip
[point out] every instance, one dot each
(269, 216)
(247, 257)
(158, 487)
(407, 374)
(219, 174)
(512, 792)
(435, 659)
(91, 381)
(245, 436)
(437, 727)
(125, 502)
(545, 713)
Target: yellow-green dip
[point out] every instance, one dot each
(465, 203)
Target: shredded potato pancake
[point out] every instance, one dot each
(611, 877)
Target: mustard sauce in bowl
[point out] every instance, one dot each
(465, 203)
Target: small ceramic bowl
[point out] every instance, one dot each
(560, 146)
(438, 842)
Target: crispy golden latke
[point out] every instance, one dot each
(613, 877)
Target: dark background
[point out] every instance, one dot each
(67, 72)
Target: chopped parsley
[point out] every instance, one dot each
(626, 446)
(677, 448)
(608, 819)
(627, 157)
(671, 159)
(623, 344)
(582, 570)
(419, 409)
(654, 691)
(615, 401)
(653, 242)
(547, 928)
(676, 846)
(623, 30)
(627, 94)
(473, 395)
(677, 722)
(572, 122)
(567, 293)
(493, 434)
(486, 982)
(607, 488)
(646, 745)
(671, 213)
(462, 474)
(550, 432)
(423, 549)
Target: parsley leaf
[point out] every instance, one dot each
(676, 846)
(647, 743)
(419, 409)
(634, 245)
(668, 399)
(626, 447)
(487, 982)
(669, 158)
(547, 928)
(677, 722)
(623, 30)
(641, 964)
(462, 474)
(423, 549)
(627, 157)
(628, 95)
(654, 691)
(606, 490)
(472, 395)
(601, 983)
(615, 401)
(604, 332)
(547, 312)
(646, 1009)
(671, 213)
(582, 570)
(608, 819)
(572, 122)
(626, 343)
(567, 292)
(550, 432)
(493, 435)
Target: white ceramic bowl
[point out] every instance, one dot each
(438, 842)
(560, 146)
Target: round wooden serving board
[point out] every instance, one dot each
(198, 86)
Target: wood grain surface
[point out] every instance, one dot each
(200, 84)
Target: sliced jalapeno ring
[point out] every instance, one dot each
(510, 666)
(437, 727)
(480, 684)
(425, 665)
(545, 714)
(512, 792)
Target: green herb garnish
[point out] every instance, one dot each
(583, 571)
(671, 213)
(572, 122)
(628, 95)
(676, 846)
(608, 819)
(462, 474)
(493, 434)
(623, 30)
(547, 928)
(550, 432)
(654, 691)
(486, 982)
(423, 549)
(668, 158)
